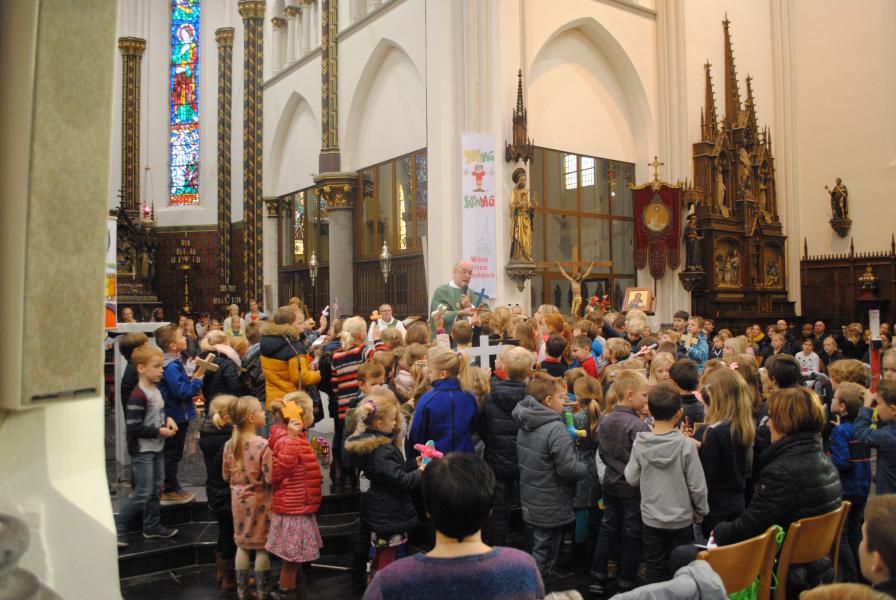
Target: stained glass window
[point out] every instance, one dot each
(184, 89)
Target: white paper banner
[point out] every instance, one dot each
(479, 214)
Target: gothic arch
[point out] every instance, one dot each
(614, 78)
(285, 143)
(387, 64)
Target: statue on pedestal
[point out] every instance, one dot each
(693, 259)
(840, 220)
(744, 165)
(522, 211)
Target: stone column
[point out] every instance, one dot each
(307, 17)
(279, 32)
(224, 37)
(373, 5)
(131, 56)
(291, 24)
(337, 189)
(329, 160)
(252, 12)
(355, 11)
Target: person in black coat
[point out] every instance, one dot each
(214, 432)
(498, 431)
(797, 479)
(387, 507)
(226, 380)
(126, 346)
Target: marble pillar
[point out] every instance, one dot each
(224, 37)
(131, 57)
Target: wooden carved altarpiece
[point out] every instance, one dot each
(734, 197)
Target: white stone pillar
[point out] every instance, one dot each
(307, 33)
(291, 25)
(373, 5)
(279, 24)
(355, 11)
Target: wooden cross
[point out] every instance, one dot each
(208, 364)
(656, 164)
(484, 352)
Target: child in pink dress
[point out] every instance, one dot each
(294, 535)
(247, 466)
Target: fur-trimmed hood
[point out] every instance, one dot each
(273, 329)
(367, 442)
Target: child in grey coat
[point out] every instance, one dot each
(549, 468)
(673, 489)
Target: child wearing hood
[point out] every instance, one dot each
(667, 467)
(549, 467)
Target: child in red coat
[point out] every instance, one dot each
(294, 535)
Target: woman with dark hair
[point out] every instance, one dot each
(459, 492)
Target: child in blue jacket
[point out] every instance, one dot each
(178, 390)
(853, 460)
(447, 413)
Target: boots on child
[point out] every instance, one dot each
(242, 584)
(264, 581)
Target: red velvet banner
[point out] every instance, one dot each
(657, 215)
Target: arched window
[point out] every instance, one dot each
(184, 90)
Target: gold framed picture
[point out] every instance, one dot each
(656, 217)
(639, 298)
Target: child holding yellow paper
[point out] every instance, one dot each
(294, 535)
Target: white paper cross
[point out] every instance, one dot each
(483, 351)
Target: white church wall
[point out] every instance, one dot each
(844, 94)
(382, 93)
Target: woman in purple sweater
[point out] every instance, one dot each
(459, 491)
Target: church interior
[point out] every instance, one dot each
(648, 203)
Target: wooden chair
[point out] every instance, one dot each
(811, 539)
(740, 564)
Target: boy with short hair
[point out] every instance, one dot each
(884, 437)
(666, 466)
(877, 553)
(147, 430)
(553, 363)
(178, 390)
(685, 376)
(549, 467)
(853, 461)
(718, 346)
(126, 346)
(618, 350)
(498, 431)
(621, 524)
(696, 347)
(581, 351)
(680, 321)
(462, 335)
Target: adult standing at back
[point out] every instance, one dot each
(454, 296)
(284, 358)
(386, 320)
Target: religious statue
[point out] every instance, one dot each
(575, 285)
(744, 165)
(732, 267)
(772, 274)
(720, 191)
(692, 255)
(839, 200)
(522, 212)
(763, 195)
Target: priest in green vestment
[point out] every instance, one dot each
(454, 296)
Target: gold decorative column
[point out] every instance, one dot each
(329, 61)
(224, 37)
(131, 56)
(252, 12)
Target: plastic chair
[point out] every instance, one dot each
(740, 564)
(811, 539)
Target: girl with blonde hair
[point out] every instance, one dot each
(659, 368)
(447, 413)
(247, 466)
(388, 508)
(727, 440)
(294, 535)
(527, 336)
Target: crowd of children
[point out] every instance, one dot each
(623, 447)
